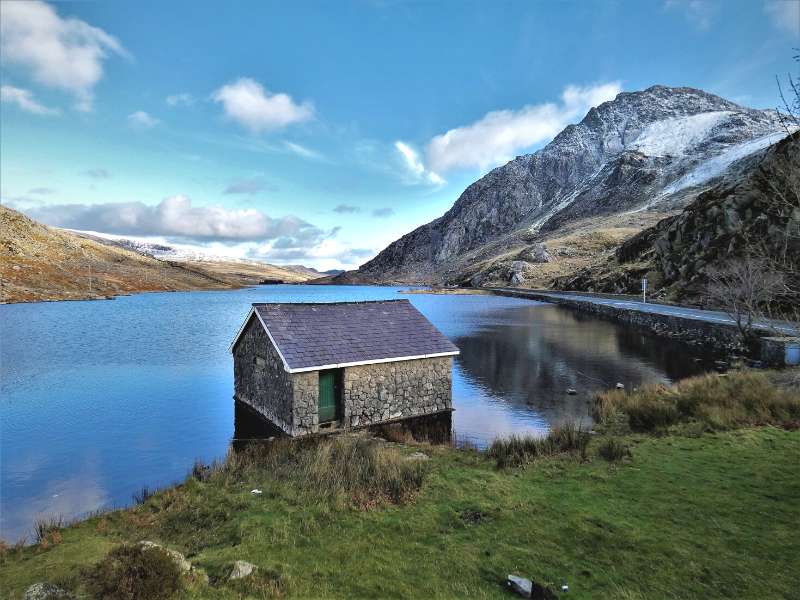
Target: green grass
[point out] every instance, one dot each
(709, 516)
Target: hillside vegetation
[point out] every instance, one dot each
(45, 263)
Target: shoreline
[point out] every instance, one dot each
(477, 516)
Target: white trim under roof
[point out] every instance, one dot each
(371, 362)
(288, 369)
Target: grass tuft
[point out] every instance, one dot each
(613, 450)
(344, 468)
(143, 495)
(516, 450)
(717, 403)
(47, 530)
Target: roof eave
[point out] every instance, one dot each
(370, 362)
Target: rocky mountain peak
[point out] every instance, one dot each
(652, 149)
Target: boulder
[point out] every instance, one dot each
(242, 569)
(537, 254)
(180, 560)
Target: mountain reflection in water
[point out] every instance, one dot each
(515, 371)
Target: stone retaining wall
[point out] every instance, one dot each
(720, 336)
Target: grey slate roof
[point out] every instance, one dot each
(310, 336)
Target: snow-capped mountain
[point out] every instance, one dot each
(651, 150)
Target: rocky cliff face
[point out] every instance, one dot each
(653, 150)
(755, 207)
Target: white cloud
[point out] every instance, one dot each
(303, 151)
(176, 217)
(499, 135)
(784, 14)
(416, 171)
(142, 120)
(63, 53)
(182, 99)
(24, 99)
(249, 104)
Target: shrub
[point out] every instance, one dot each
(133, 573)
(518, 450)
(613, 450)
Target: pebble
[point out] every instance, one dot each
(571, 392)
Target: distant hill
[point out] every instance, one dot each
(629, 163)
(38, 263)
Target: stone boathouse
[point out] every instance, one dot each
(312, 367)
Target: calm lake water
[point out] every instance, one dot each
(101, 398)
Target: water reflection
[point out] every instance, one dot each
(528, 358)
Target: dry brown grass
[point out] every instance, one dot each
(718, 403)
(343, 469)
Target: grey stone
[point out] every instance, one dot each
(180, 560)
(520, 585)
(242, 569)
(46, 591)
(537, 254)
(417, 456)
(571, 391)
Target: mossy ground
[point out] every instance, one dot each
(709, 516)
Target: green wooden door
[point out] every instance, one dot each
(327, 396)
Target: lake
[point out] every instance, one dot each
(99, 398)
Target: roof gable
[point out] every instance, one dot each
(316, 336)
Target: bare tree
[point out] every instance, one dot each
(789, 112)
(747, 289)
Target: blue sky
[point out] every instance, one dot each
(318, 132)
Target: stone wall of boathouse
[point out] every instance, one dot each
(396, 390)
(260, 380)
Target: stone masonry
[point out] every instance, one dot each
(372, 393)
(260, 379)
(395, 390)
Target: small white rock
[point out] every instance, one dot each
(571, 392)
(242, 569)
(620, 386)
(256, 492)
(520, 585)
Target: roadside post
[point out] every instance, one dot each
(644, 290)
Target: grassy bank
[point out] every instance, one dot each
(678, 512)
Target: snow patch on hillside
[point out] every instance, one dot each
(675, 136)
(713, 167)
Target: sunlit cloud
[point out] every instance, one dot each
(246, 102)
(24, 99)
(62, 53)
(499, 135)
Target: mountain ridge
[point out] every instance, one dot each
(651, 151)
